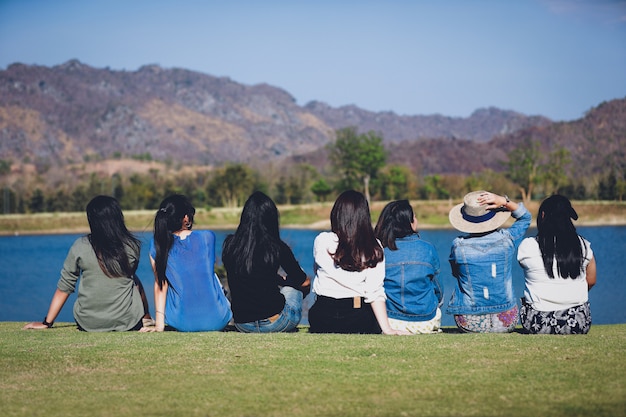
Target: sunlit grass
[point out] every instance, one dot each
(64, 372)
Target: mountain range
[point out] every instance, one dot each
(73, 113)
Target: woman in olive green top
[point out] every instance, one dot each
(110, 296)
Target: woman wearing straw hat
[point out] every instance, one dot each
(481, 261)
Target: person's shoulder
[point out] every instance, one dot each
(413, 240)
(205, 235)
(326, 235)
(81, 242)
(585, 242)
(528, 242)
(325, 238)
(204, 232)
(429, 245)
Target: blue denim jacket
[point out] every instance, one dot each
(483, 264)
(413, 291)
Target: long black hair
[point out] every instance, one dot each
(395, 222)
(557, 237)
(350, 219)
(169, 219)
(257, 238)
(110, 239)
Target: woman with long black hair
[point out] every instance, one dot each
(110, 295)
(263, 300)
(559, 270)
(188, 296)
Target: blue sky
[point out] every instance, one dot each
(557, 58)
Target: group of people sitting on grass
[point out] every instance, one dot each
(372, 280)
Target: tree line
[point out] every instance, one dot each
(357, 161)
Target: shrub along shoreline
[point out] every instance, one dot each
(430, 214)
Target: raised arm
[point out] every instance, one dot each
(494, 201)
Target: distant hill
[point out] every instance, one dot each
(481, 126)
(596, 142)
(72, 112)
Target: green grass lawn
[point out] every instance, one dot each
(64, 372)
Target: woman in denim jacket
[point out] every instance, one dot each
(414, 294)
(482, 262)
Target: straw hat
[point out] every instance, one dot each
(471, 217)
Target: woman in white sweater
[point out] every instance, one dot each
(349, 273)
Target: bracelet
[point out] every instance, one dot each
(45, 323)
(158, 312)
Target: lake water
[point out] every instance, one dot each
(30, 265)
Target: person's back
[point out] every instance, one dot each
(103, 264)
(349, 273)
(102, 303)
(483, 300)
(257, 295)
(413, 290)
(414, 294)
(263, 300)
(484, 265)
(187, 294)
(559, 269)
(195, 299)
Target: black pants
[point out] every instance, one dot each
(137, 327)
(342, 315)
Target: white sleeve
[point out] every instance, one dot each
(374, 280)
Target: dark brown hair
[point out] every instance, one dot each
(350, 219)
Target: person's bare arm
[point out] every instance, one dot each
(591, 273)
(380, 311)
(58, 301)
(159, 303)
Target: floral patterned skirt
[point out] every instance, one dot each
(574, 320)
(503, 322)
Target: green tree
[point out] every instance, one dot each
(5, 166)
(8, 200)
(434, 188)
(232, 185)
(321, 189)
(554, 172)
(357, 157)
(607, 187)
(491, 181)
(141, 193)
(523, 167)
(37, 203)
(395, 182)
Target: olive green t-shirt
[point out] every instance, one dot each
(102, 303)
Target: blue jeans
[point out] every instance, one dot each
(287, 320)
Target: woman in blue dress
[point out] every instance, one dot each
(188, 296)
